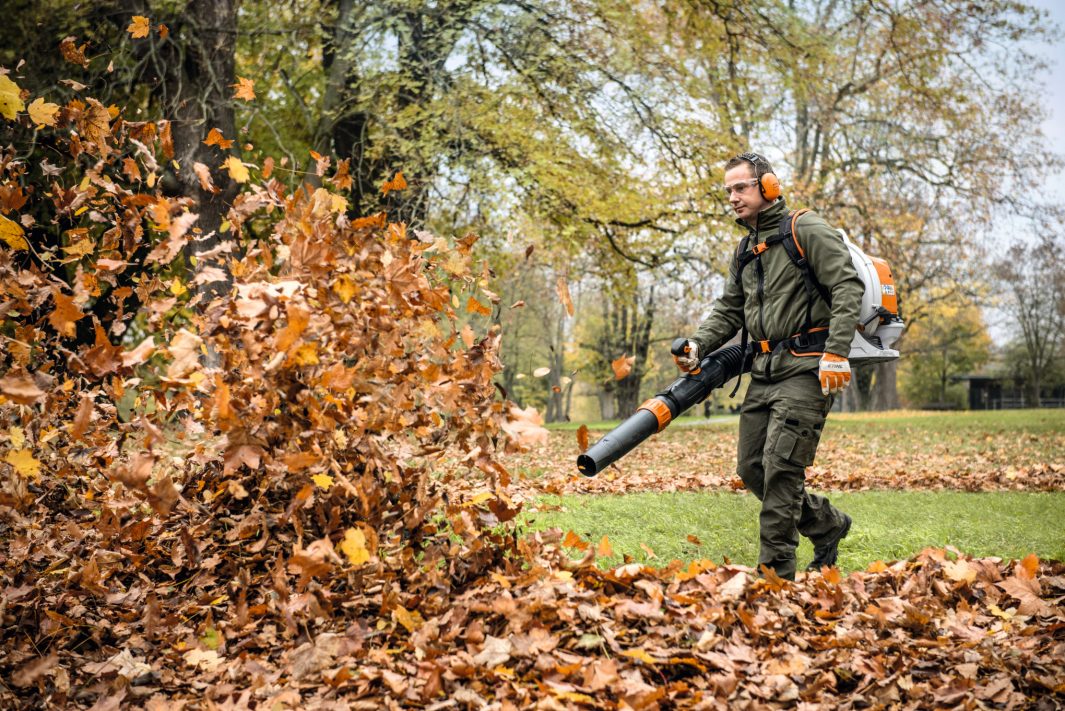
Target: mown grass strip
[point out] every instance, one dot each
(888, 525)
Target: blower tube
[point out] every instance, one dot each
(653, 415)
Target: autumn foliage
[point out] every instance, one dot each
(243, 494)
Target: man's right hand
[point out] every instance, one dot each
(690, 360)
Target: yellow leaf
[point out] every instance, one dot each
(177, 287)
(344, 287)
(18, 437)
(140, 27)
(575, 696)
(323, 481)
(505, 672)
(411, 620)
(80, 249)
(237, 170)
(12, 233)
(305, 354)
(24, 463)
(337, 203)
(639, 655)
(10, 99)
(1000, 613)
(42, 113)
(244, 89)
(354, 546)
(480, 498)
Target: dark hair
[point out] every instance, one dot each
(760, 164)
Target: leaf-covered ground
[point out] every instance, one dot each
(1017, 450)
(221, 620)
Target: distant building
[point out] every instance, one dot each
(994, 392)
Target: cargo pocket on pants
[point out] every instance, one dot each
(798, 438)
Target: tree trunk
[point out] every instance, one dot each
(862, 384)
(886, 395)
(557, 363)
(341, 131)
(635, 333)
(200, 89)
(607, 404)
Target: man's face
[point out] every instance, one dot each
(746, 199)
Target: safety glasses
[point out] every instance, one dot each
(740, 187)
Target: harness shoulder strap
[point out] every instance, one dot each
(790, 239)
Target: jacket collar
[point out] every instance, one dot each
(769, 218)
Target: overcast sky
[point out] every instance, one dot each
(1054, 91)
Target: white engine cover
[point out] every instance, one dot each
(873, 343)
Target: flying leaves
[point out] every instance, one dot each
(11, 234)
(72, 52)
(582, 438)
(21, 388)
(244, 89)
(396, 183)
(215, 138)
(622, 366)
(42, 113)
(562, 288)
(65, 315)
(237, 170)
(10, 98)
(139, 27)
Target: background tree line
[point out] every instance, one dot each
(583, 141)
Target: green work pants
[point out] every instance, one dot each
(780, 427)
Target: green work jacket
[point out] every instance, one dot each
(777, 309)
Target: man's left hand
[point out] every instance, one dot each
(834, 372)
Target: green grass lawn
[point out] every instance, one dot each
(985, 421)
(888, 525)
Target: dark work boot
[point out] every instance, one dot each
(825, 553)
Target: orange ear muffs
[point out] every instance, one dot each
(770, 186)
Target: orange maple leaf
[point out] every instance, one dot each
(342, 178)
(622, 366)
(396, 183)
(140, 27)
(65, 315)
(476, 307)
(245, 89)
(215, 138)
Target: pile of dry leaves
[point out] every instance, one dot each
(878, 457)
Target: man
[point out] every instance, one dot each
(800, 344)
